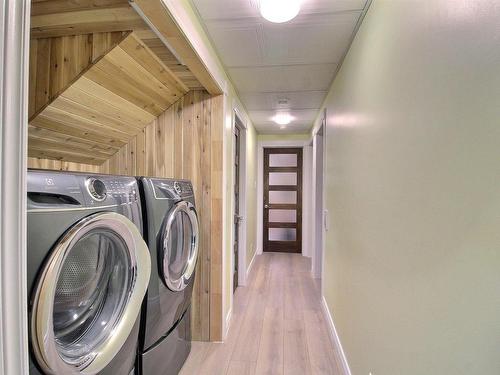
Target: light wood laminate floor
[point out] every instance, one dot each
(277, 326)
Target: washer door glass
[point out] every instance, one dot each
(95, 280)
(179, 246)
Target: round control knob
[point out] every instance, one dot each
(97, 189)
(177, 187)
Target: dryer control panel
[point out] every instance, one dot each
(172, 189)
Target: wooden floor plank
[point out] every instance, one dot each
(241, 368)
(270, 357)
(277, 325)
(319, 346)
(295, 354)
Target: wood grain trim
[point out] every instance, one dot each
(162, 20)
(282, 187)
(282, 169)
(85, 22)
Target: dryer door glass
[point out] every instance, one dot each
(180, 246)
(92, 279)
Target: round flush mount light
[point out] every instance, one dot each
(279, 11)
(282, 118)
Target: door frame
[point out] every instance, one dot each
(14, 62)
(320, 213)
(242, 238)
(306, 188)
(283, 246)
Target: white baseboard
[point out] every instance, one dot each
(249, 268)
(228, 324)
(335, 338)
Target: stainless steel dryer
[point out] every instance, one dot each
(88, 271)
(172, 237)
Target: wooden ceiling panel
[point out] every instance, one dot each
(85, 22)
(56, 18)
(45, 7)
(75, 131)
(69, 140)
(138, 50)
(93, 95)
(107, 106)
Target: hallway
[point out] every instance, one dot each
(277, 326)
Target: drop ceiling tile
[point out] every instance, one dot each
(227, 9)
(231, 9)
(256, 101)
(238, 45)
(283, 78)
(331, 6)
(312, 40)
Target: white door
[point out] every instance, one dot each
(89, 295)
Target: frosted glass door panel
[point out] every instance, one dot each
(283, 160)
(282, 216)
(282, 197)
(277, 178)
(282, 234)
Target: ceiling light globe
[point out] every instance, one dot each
(279, 11)
(282, 118)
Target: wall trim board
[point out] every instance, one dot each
(14, 51)
(228, 319)
(334, 337)
(250, 266)
(225, 202)
(260, 187)
(242, 248)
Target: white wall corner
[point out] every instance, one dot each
(334, 337)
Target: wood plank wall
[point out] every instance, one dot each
(56, 62)
(184, 142)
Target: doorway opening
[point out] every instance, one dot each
(319, 199)
(239, 207)
(282, 214)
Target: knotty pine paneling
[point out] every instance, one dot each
(183, 142)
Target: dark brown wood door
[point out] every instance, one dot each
(282, 200)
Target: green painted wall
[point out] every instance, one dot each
(412, 263)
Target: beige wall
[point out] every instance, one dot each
(413, 190)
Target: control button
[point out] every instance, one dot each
(96, 189)
(177, 187)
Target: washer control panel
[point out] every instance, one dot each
(97, 189)
(111, 190)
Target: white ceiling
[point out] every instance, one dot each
(270, 62)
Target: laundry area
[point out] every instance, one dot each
(124, 186)
(249, 187)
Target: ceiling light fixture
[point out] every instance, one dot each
(279, 11)
(283, 118)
